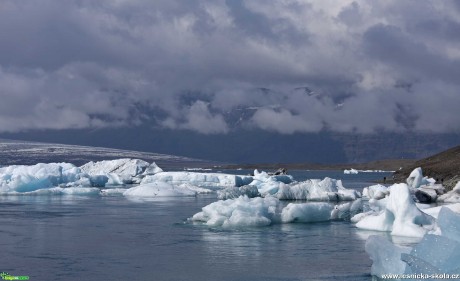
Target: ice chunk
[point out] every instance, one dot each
(240, 212)
(121, 171)
(21, 178)
(306, 212)
(316, 190)
(377, 191)
(400, 216)
(351, 171)
(250, 191)
(269, 184)
(386, 257)
(113, 191)
(158, 189)
(452, 196)
(206, 180)
(416, 179)
(434, 254)
(449, 223)
(434, 211)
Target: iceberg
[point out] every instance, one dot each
(121, 171)
(400, 215)
(377, 191)
(241, 212)
(385, 256)
(269, 184)
(158, 189)
(434, 254)
(416, 179)
(263, 211)
(316, 190)
(312, 212)
(250, 191)
(22, 178)
(350, 172)
(204, 180)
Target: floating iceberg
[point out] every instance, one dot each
(21, 178)
(158, 189)
(241, 212)
(400, 215)
(350, 172)
(416, 179)
(316, 190)
(204, 180)
(250, 191)
(121, 171)
(435, 254)
(244, 212)
(377, 191)
(269, 184)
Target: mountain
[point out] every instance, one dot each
(444, 166)
(26, 153)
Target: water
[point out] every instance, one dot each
(113, 238)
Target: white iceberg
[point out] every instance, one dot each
(416, 179)
(311, 212)
(434, 254)
(350, 172)
(22, 178)
(400, 215)
(316, 190)
(241, 212)
(250, 191)
(204, 180)
(269, 184)
(377, 191)
(158, 189)
(263, 211)
(121, 171)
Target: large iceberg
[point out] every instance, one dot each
(121, 171)
(434, 257)
(158, 189)
(21, 178)
(205, 180)
(377, 191)
(241, 212)
(316, 190)
(244, 212)
(400, 215)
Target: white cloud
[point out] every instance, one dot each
(84, 64)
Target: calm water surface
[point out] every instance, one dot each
(113, 238)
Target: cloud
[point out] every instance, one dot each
(216, 66)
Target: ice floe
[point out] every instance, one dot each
(350, 172)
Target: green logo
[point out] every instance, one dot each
(7, 276)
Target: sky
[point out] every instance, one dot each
(213, 68)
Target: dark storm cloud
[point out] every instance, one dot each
(193, 65)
